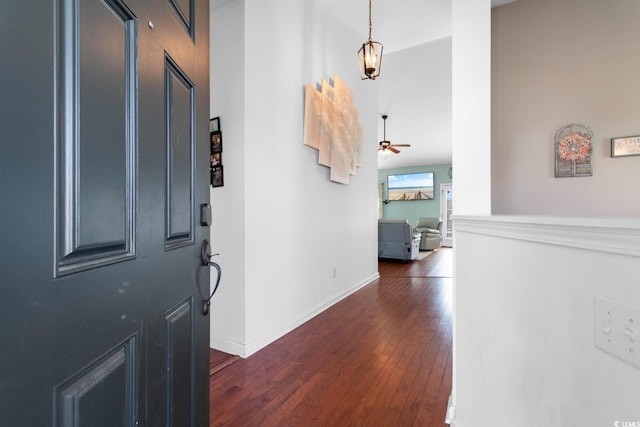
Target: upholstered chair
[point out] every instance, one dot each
(397, 240)
(430, 228)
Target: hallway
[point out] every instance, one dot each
(380, 357)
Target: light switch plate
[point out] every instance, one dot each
(617, 329)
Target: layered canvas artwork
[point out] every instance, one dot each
(331, 126)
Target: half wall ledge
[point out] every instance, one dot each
(610, 235)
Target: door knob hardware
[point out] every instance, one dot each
(205, 258)
(205, 252)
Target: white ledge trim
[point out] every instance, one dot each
(611, 235)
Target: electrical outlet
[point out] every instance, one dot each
(333, 273)
(617, 329)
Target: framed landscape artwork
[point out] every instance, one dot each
(410, 186)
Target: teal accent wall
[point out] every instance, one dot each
(411, 210)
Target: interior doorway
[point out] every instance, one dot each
(446, 205)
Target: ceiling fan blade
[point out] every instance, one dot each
(401, 145)
(393, 150)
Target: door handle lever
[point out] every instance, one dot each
(205, 259)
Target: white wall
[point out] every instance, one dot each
(557, 63)
(525, 321)
(471, 135)
(283, 225)
(471, 119)
(228, 203)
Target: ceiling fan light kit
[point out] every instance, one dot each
(385, 145)
(370, 56)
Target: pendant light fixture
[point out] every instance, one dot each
(370, 56)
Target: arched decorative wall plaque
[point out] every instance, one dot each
(573, 151)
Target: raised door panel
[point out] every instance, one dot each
(173, 360)
(179, 109)
(96, 165)
(102, 395)
(184, 12)
(180, 360)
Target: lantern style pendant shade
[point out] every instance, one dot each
(370, 56)
(370, 59)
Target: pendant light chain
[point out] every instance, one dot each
(369, 19)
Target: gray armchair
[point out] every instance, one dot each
(397, 240)
(430, 228)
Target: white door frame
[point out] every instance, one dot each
(446, 206)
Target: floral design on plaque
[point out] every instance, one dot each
(331, 126)
(573, 151)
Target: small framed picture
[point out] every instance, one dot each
(216, 159)
(216, 142)
(217, 178)
(625, 146)
(214, 124)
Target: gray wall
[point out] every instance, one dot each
(555, 63)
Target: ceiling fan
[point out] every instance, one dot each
(384, 146)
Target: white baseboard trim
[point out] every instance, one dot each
(230, 347)
(451, 413)
(264, 341)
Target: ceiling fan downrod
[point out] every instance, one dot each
(385, 145)
(384, 131)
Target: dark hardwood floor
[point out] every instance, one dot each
(381, 357)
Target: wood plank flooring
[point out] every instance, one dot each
(219, 360)
(381, 357)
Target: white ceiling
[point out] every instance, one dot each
(398, 24)
(414, 90)
(415, 96)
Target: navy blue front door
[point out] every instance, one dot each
(104, 120)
